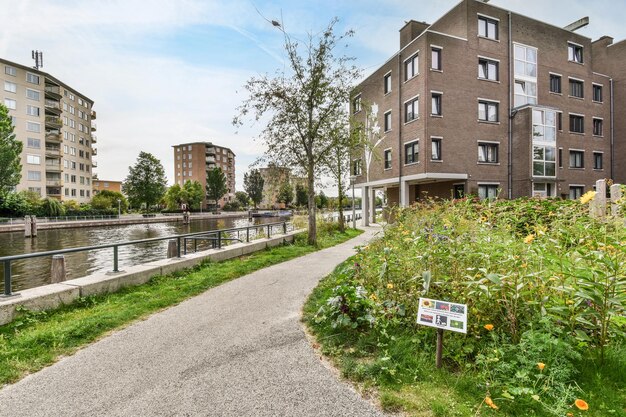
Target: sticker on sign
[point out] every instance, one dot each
(442, 315)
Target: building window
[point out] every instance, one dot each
(10, 70)
(410, 67)
(435, 56)
(576, 123)
(543, 189)
(487, 28)
(544, 161)
(32, 94)
(33, 127)
(411, 110)
(356, 104)
(576, 191)
(555, 83)
(487, 191)
(356, 167)
(82, 193)
(436, 105)
(36, 190)
(525, 93)
(560, 157)
(597, 160)
(575, 53)
(34, 176)
(33, 159)
(387, 158)
(33, 143)
(411, 152)
(10, 87)
(576, 159)
(32, 78)
(388, 121)
(73, 192)
(488, 153)
(488, 111)
(597, 127)
(597, 93)
(32, 111)
(544, 125)
(576, 88)
(525, 61)
(387, 83)
(435, 146)
(488, 69)
(10, 103)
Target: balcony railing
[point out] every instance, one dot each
(53, 106)
(94, 139)
(54, 183)
(210, 159)
(53, 91)
(53, 121)
(94, 164)
(94, 127)
(52, 151)
(53, 167)
(93, 115)
(94, 151)
(53, 136)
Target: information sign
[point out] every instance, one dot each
(443, 315)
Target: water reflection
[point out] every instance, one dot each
(36, 271)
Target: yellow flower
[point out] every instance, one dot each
(390, 285)
(587, 197)
(373, 297)
(541, 365)
(528, 239)
(524, 265)
(581, 404)
(490, 403)
(569, 415)
(490, 328)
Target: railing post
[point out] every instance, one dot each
(57, 270)
(268, 231)
(115, 260)
(178, 247)
(247, 234)
(7, 278)
(284, 228)
(195, 245)
(219, 239)
(184, 246)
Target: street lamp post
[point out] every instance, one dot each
(352, 180)
(119, 209)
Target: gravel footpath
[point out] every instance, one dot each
(237, 350)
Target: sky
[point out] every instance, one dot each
(163, 72)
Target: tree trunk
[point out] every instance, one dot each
(312, 208)
(342, 223)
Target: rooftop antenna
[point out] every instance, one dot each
(38, 57)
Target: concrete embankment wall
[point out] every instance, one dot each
(51, 296)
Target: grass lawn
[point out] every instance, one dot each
(37, 339)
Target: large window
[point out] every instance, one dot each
(10, 87)
(33, 127)
(435, 54)
(10, 70)
(436, 104)
(356, 104)
(576, 88)
(487, 27)
(597, 160)
(544, 161)
(488, 153)
(387, 158)
(33, 143)
(411, 152)
(544, 125)
(488, 111)
(525, 93)
(435, 154)
(411, 110)
(32, 94)
(411, 67)
(525, 61)
(32, 110)
(356, 167)
(34, 176)
(10, 103)
(487, 191)
(576, 191)
(543, 189)
(387, 83)
(488, 69)
(597, 93)
(32, 78)
(555, 83)
(33, 159)
(387, 123)
(576, 159)
(576, 123)
(575, 52)
(598, 127)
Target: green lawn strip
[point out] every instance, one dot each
(37, 339)
(400, 368)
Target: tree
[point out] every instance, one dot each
(173, 197)
(243, 198)
(321, 200)
(10, 153)
(52, 207)
(301, 106)
(302, 198)
(216, 185)
(192, 194)
(146, 182)
(107, 200)
(253, 183)
(285, 193)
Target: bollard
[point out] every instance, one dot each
(172, 248)
(57, 270)
(27, 226)
(33, 226)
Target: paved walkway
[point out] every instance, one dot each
(236, 350)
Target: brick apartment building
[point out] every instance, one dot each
(106, 185)
(489, 102)
(193, 160)
(55, 124)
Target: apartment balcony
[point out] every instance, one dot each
(53, 192)
(94, 139)
(210, 151)
(53, 122)
(210, 159)
(94, 127)
(94, 164)
(53, 92)
(53, 136)
(94, 151)
(210, 166)
(53, 152)
(52, 167)
(93, 115)
(54, 182)
(53, 107)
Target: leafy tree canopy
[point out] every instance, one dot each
(146, 182)
(253, 183)
(10, 153)
(215, 184)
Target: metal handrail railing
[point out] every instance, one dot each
(6, 260)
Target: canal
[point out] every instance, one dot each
(34, 272)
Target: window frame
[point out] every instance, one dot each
(12, 87)
(598, 157)
(387, 121)
(598, 126)
(574, 83)
(484, 63)
(578, 191)
(413, 155)
(436, 64)
(559, 78)
(413, 60)
(573, 118)
(487, 145)
(356, 104)
(9, 70)
(436, 96)
(387, 80)
(488, 104)
(576, 159)
(595, 88)
(413, 102)
(488, 187)
(387, 159)
(436, 148)
(486, 20)
(572, 49)
(30, 75)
